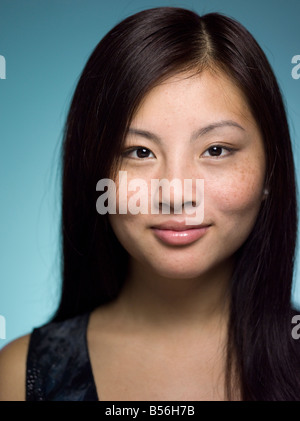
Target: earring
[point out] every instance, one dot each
(266, 192)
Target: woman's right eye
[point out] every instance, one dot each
(138, 153)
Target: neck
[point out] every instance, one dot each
(160, 302)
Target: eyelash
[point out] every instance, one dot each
(127, 152)
(226, 148)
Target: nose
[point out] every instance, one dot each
(179, 189)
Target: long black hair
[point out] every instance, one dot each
(131, 59)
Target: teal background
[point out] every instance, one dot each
(46, 44)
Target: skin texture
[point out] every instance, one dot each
(233, 182)
(13, 370)
(170, 320)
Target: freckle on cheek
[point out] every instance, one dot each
(235, 199)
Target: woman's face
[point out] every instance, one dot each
(192, 127)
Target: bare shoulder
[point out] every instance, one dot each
(13, 369)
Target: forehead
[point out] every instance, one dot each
(204, 97)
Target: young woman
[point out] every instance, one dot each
(153, 307)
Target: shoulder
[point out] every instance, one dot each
(13, 369)
(40, 365)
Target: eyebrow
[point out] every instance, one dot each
(198, 133)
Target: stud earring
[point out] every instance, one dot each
(266, 192)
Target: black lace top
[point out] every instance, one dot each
(58, 363)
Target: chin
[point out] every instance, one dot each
(181, 272)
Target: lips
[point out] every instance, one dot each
(178, 233)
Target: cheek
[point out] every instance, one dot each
(127, 229)
(238, 191)
(123, 228)
(131, 197)
(121, 225)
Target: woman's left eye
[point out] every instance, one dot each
(216, 151)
